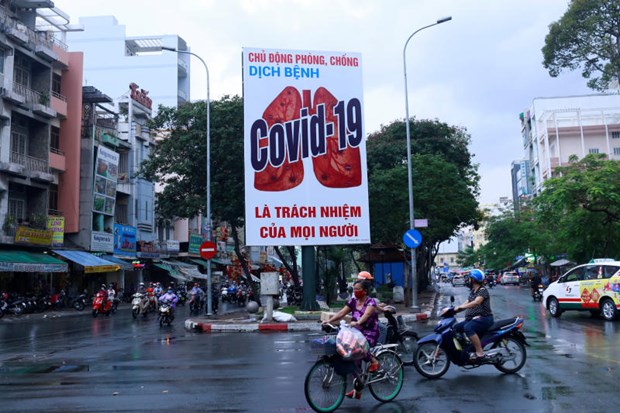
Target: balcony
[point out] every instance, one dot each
(39, 102)
(57, 160)
(16, 94)
(40, 42)
(61, 51)
(37, 169)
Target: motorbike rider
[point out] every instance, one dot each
(158, 290)
(196, 293)
(478, 314)
(535, 281)
(141, 288)
(104, 295)
(171, 298)
(364, 316)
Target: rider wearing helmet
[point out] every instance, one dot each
(478, 315)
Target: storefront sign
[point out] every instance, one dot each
(140, 95)
(57, 226)
(194, 244)
(33, 236)
(124, 240)
(106, 174)
(147, 249)
(101, 241)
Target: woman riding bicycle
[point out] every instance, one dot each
(364, 317)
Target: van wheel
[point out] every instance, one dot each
(554, 307)
(609, 310)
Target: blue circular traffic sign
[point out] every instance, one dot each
(412, 238)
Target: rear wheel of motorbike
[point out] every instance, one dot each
(512, 351)
(430, 360)
(79, 306)
(18, 310)
(391, 377)
(161, 321)
(324, 388)
(406, 347)
(554, 307)
(95, 313)
(135, 312)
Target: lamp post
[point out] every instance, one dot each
(208, 200)
(414, 282)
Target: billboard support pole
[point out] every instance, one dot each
(308, 302)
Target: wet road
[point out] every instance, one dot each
(116, 364)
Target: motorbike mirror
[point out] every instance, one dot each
(451, 298)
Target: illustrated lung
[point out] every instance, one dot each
(283, 108)
(336, 168)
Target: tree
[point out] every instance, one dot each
(581, 207)
(178, 162)
(587, 36)
(445, 184)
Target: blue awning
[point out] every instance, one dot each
(90, 262)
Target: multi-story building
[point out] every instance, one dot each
(40, 105)
(554, 129)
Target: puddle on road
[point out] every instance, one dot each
(552, 393)
(44, 368)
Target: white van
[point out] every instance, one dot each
(593, 287)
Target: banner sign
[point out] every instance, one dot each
(304, 148)
(194, 244)
(124, 240)
(57, 226)
(106, 175)
(33, 236)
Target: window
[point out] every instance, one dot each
(609, 271)
(1, 60)
(55, 138)
(593, 150)
(53, 199)
(615, 135)
(21, 70)
(17, 207)
(593, 272)
(574, 275)
(56, 83)
(617, 151)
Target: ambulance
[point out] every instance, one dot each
(593, 287)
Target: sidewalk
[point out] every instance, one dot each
(243, 322)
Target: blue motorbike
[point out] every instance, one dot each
(503, 343)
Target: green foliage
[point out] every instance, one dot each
(587, 36)
(179, 160)
(445, 181)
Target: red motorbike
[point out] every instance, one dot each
(99, 307)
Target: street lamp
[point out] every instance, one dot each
(208, 200)
(414, 282)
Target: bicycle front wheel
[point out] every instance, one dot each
(324, 388)
(388, 381)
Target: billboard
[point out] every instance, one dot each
(304, 148)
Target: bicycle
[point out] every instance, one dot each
(326, 382)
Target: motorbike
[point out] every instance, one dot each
(537, 293)
(182, 294)
(57, 301)
(3, 307)
(15, 306)
(165, 313)
(99, 307)
(503, 343)
(398, 333)
(139, 305)
(195, 304)
(79, 302)
(294, 295)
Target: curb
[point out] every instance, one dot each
(193, 325)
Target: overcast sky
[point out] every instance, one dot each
(479, 70)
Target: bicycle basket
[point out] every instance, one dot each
(324, 345)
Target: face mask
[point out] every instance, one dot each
(359, 294)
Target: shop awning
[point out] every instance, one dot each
(221, 261)
(90, 262)
(171, 271)
(24, 261)
(198, 261)
(123, 264)
(188, 270)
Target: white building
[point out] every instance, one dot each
(554, 129)
(112, 61)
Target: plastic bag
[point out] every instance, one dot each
(351, 343)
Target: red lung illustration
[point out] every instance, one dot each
(337, 168)
(283, 108)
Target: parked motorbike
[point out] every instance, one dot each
(3, 307)
(79, 302)
(504, 346)
(165, 313)
(99, 307)
(57, 301)
(139, 305)
(399, 333)
(15, 306)
(537, 293)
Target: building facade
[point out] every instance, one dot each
(554, 129)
